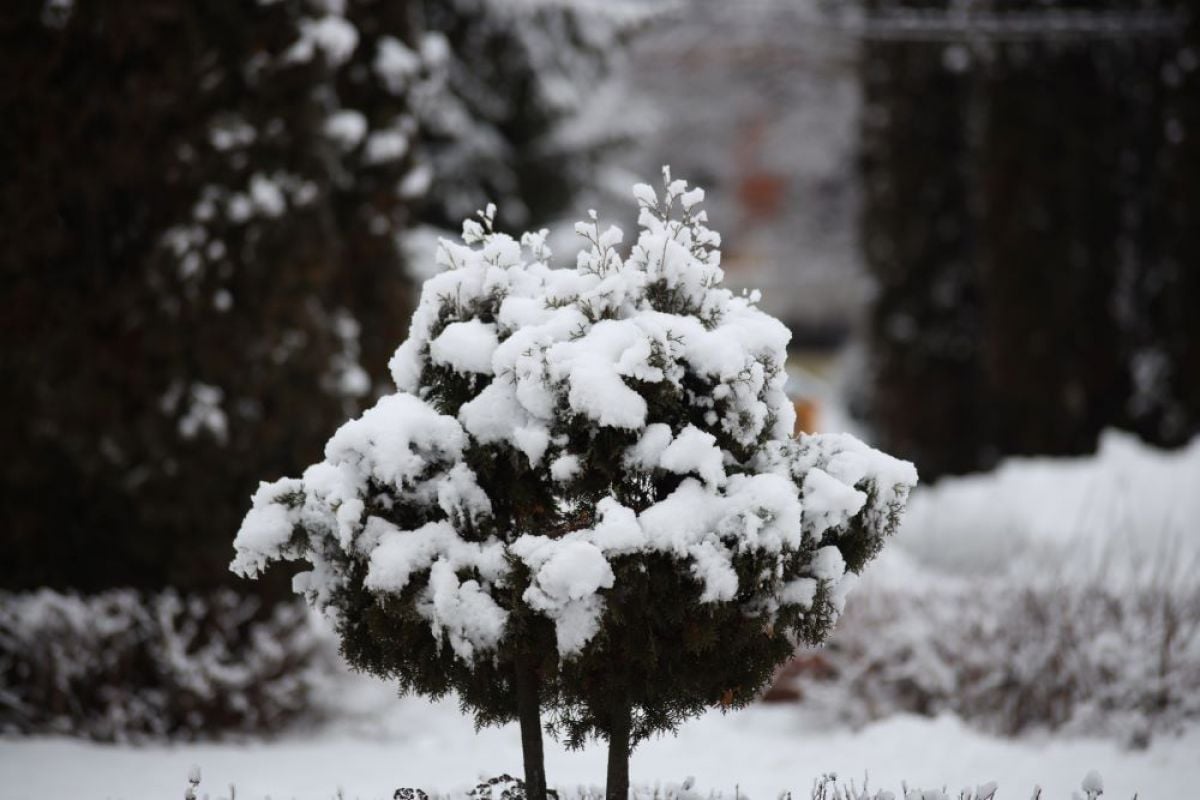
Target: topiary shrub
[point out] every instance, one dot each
(585, 495)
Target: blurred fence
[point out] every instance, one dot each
(957, 24)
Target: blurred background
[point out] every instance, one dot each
(980, 219)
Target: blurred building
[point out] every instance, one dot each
(757, 103)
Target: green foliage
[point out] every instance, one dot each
(585, 496)
(201, 281)
(666, 654)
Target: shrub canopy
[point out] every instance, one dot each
(594, 464)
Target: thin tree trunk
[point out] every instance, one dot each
(619, 732)
(529, 711)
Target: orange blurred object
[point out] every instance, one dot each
(806, 416)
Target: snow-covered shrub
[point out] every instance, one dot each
(585, 491)
(1104, 656)
(513, 112)
(237, 235)
(123, 665)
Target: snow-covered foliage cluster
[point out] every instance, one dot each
(399, 106)
(121, 665)
(560, 60)
(1103, 657)
(327, 125)
(252, 239)
(561, 436)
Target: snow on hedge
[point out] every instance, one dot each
(123, 665)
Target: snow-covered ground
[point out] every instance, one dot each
(758, 752)
(1127, 504)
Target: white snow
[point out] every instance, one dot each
(266, 195)
(230, 132)
(496, 415)
(592, 366)
(800, 591)
(695, 451)
(386, 145)
(332, 35)
(416, 183)
(466, 346)
(828, 501)
(382, 743)
(565, 467)
(265, 530)
(828, 564)
(567, 577)
(346, 127)
(395, 64)
(463, 610)
(204, 413)
(647, 453)
(394, 441)
(1129, 498)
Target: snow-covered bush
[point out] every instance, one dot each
(585, 492)
(216, 195)
(122, 665)
(512, 114)
(1097, 657)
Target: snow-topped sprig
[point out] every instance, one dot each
(678, 253)
(602, 257)
(705, 243)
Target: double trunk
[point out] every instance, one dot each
(530, 715)
(619, 735)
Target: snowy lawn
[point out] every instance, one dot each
(1129, 503)
(760, 751)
